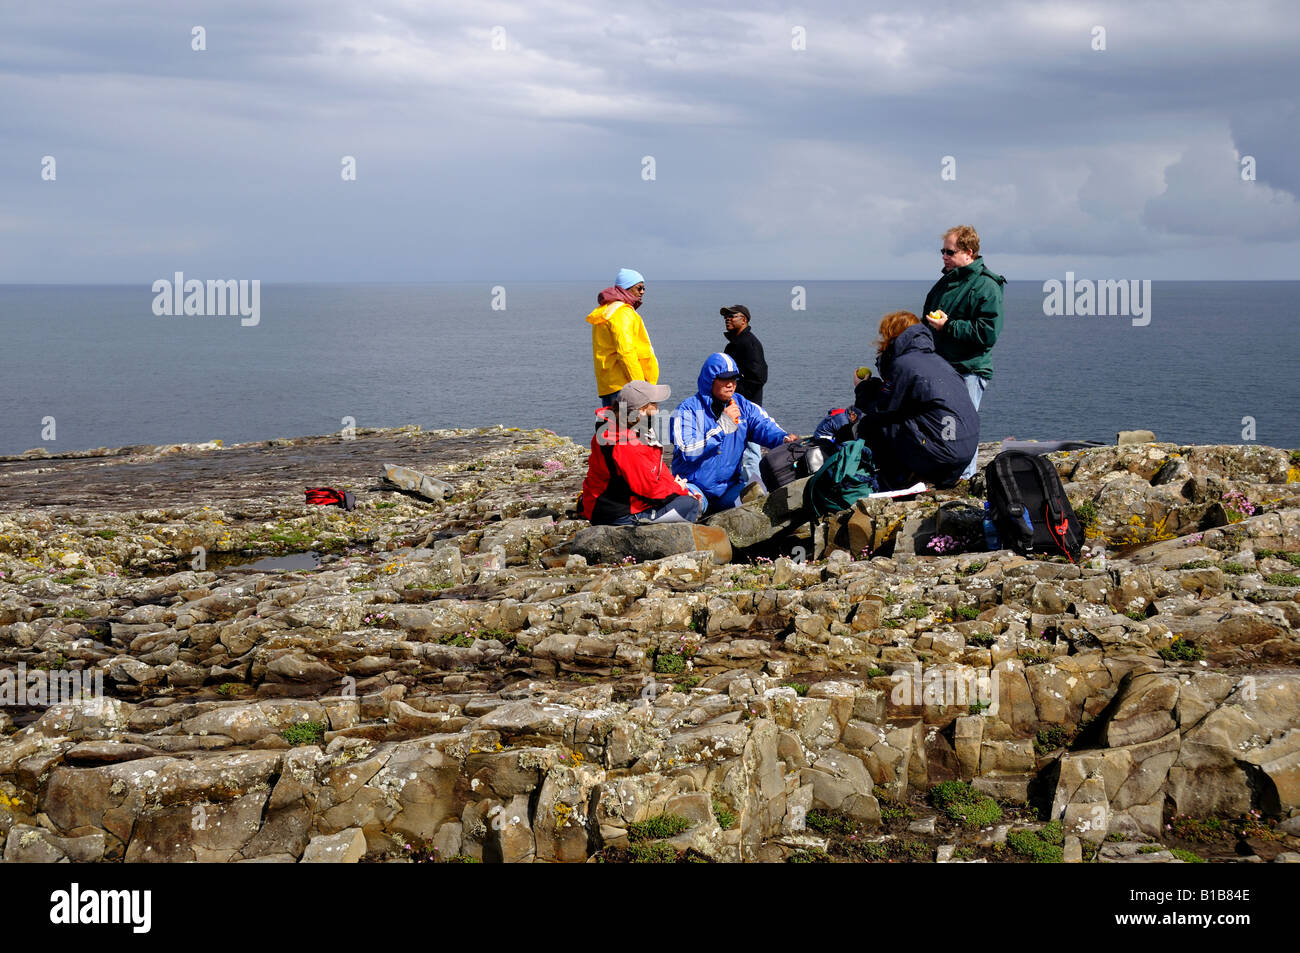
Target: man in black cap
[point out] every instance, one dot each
(747, 351)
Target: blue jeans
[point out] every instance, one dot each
(749, 461)
(680, 509)
(975, 386)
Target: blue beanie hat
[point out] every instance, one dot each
(627, 278)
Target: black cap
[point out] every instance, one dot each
(735, 309)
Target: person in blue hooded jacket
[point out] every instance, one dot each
(917, 417)
(710, 430)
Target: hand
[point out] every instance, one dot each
(732, 410)
(937, 318)
(791, 437)
(680, 482)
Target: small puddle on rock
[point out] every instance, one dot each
(308, 560)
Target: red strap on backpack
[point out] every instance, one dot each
(324, 496)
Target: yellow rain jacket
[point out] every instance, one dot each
(620, 348)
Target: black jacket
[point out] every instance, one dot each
(918, 418)
(747, 352)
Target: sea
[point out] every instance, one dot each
(86, 366)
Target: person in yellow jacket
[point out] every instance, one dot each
(620, 346)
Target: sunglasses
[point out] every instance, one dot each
(946, 252)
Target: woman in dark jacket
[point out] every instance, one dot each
(917, 417)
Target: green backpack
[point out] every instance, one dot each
(846, 477)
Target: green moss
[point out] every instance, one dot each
(874, 672)
(1042, 846)
(892, 810)
(657, 827)
(1034, 658)
(656, 853)
(800, 688)
(963, 803)
(1233, 569)
(1198, 564)
(1186, 856)
(981, 639)
(76, 614)
(1182, 650)
(1150, 849)
(915, 611)
(964, 853)
(687, 683)
(304, 733)
(105, 533)
(1282, 579)
(1086, 511)
(966, 613)
(231, 688)
(725, 818)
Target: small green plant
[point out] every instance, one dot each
(669, 663)
(687, 683)
(1150, 848)
(1204, 830)
(304, 733)
(973, 568)
(966, 613)
(963, 803)
(981, 639)
(1282, 579)
(875, 672)
(978, 707)
(458, 639)
(915, 611)
(105, 533)
(76, 614)
(964, 853)
(656, 853)
(583, 679)
(615, 672)
(800, 688)
(1186, 856)
(1034, 658)
(827, 823)
(231, 688)
(1233, 569)
(1043, 846)
(1182, 650)
(1053, 737)
(1087, 513)
(1198, 564)
(725, 818)
(1295, 456)
(657, 827)
(1137, 615)
(59, 664)
(812, 855)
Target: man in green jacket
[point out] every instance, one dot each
(964, 310)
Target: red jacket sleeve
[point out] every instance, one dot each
(644, 470)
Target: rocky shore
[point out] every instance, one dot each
(464, 673)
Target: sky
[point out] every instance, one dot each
(515, 141)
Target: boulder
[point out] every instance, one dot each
(614, 544)
(413, 481)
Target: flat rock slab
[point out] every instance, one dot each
(345, 847)
(759, 521)
(613, 544)
(138, 477)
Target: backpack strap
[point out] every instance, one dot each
(1058, 521)
(1011, 490)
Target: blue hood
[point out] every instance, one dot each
(717, 363)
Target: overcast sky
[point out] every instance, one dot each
(526, 163)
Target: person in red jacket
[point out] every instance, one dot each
(627, 482)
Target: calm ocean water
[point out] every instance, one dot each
(111, 373)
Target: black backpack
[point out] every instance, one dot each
(1029, 507)
(793, 461)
